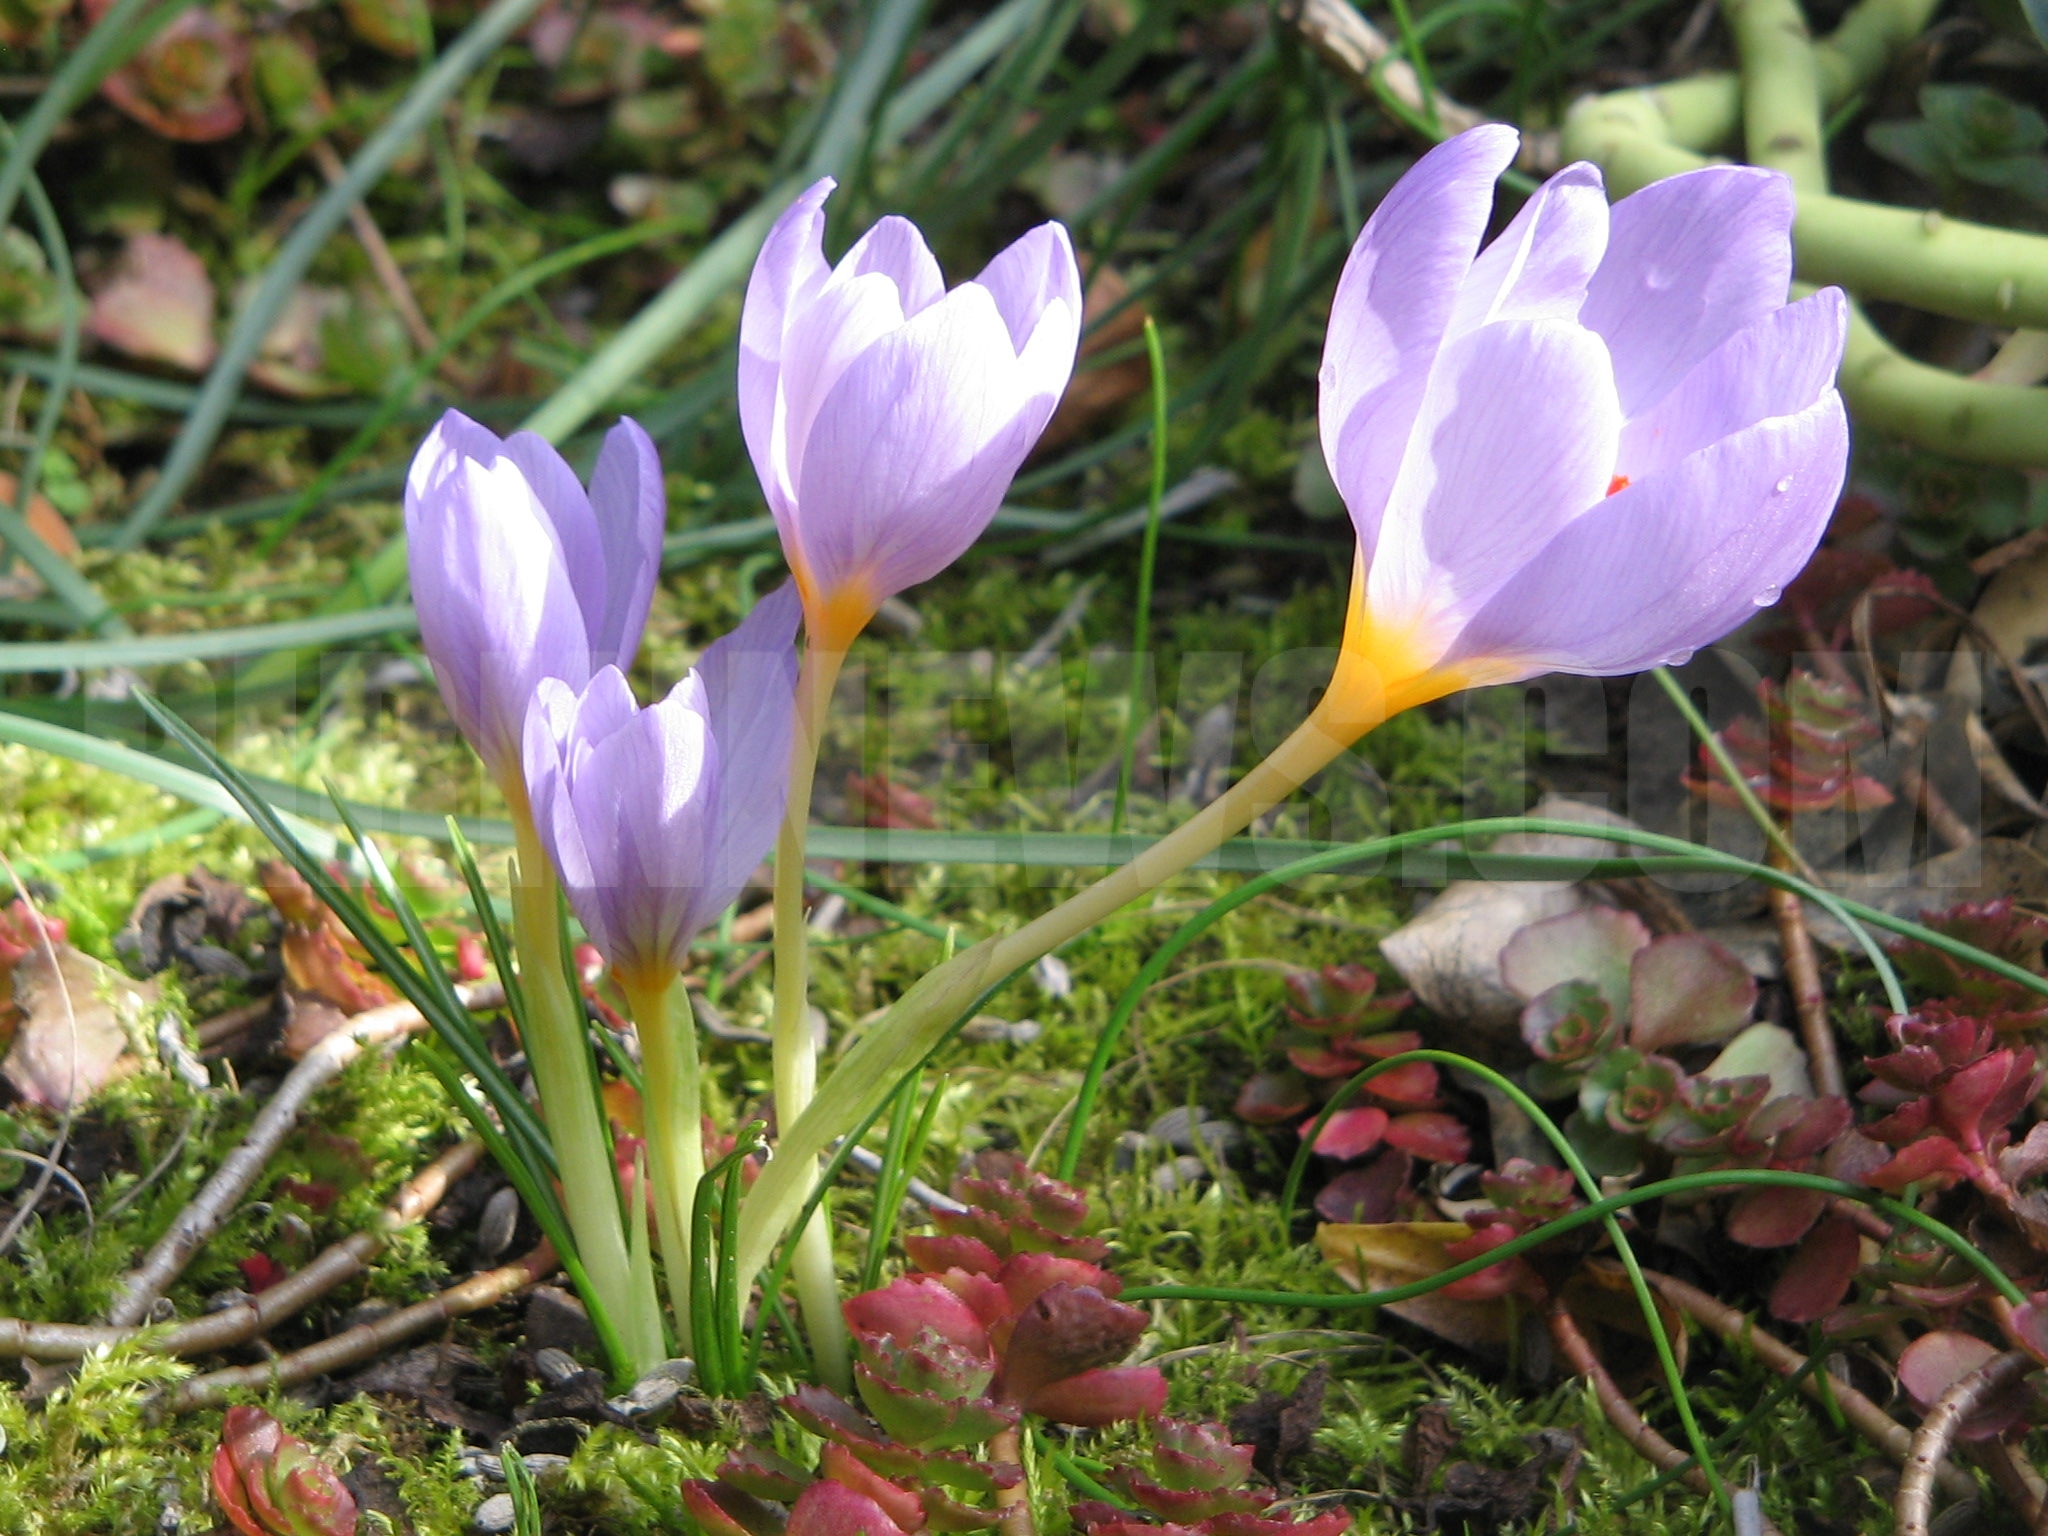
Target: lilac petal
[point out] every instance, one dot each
(1675, 561)
(1774, 366)
(453, 438)
(1538, 267)
(1691, 260)
(642, 800)
(749, 682)
(564, 503)
(894, 248)
(1029, 276)
(497, 613)
(911, 453)
(844, 322)
(1467, 509)
(1393, 302)
(787, 275)
(630, 503)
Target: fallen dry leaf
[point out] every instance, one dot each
(1375, 1256)
(17, 580)
(159, 305)
(75, 1025)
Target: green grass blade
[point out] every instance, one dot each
(281, 275)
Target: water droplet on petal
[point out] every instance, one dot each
(1768, 596)
(1676, 659)
(1784, 485)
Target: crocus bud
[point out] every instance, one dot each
(520, 574)
(654, 818)
(1593, 447)
(886, 416)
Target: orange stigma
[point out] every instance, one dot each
(1618, 483)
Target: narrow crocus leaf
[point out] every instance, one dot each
(886, 416)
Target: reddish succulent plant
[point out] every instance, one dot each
(1952, 1095)
(270, 1483)
(1194, 1486)
(1801, 757)
(1999, 928)
(1338, 1030)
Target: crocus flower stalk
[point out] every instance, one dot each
(520, 575)
(1593, 447)
(654, 818)
(885, 417)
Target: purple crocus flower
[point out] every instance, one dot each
(886, 416)
(520, 574)
(654, 818)
(1594, 446)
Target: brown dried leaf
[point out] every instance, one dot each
(159, 306)
(1375, 1256)
(74, 1031)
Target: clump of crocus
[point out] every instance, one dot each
(1338, 1031)
(1597, 445)
(1952, 1094)
(1801, 757)
(1193, 1481)
(1997, 927)
(270, 1483)
(654, 819)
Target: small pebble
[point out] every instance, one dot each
(987, 1029)
(657, 1391)
(494, 1516)
(1179, 1127)
(1184, 1172)
(484, 1467)
(494, 1229)
(555, 1366)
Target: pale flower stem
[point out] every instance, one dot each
(795, 1053)
(561, 1067)
(672, 1115)
(1310, 749)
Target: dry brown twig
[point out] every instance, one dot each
(355, 1345)
(260, 1313)
(1357, 48)
(1621, 1413)
(1809, 997)
(1914, 1501)
(216, 1201)
(390, 277)
(1739, 1329)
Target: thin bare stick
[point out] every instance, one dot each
(1621, 1413)
(1739, 1329)
(238, 1020)
(1014, 1502)
(356, 1345)
(389, 277)
(1914, 1501)
(216, 1201)
(260, 1313)
(1809, 999)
